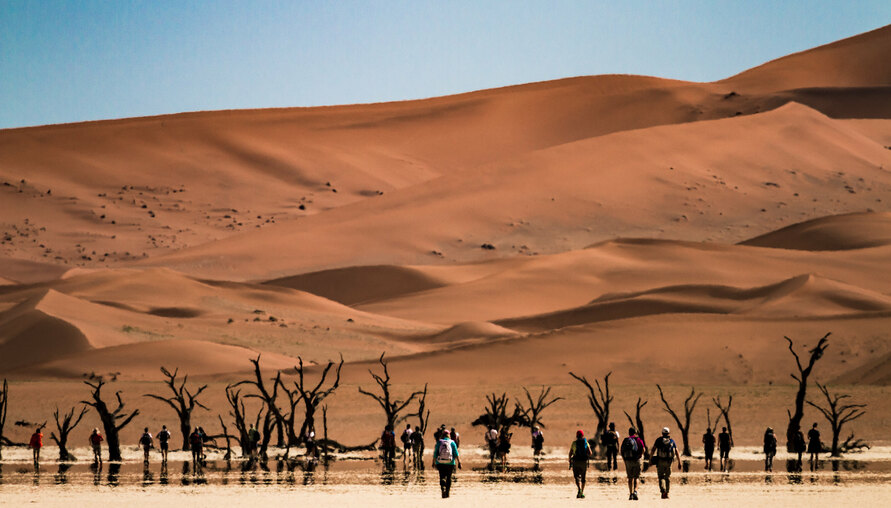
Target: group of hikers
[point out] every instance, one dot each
(634, 452)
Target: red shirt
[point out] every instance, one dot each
(36, 440)
(95, 438)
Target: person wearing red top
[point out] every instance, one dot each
(96, 443)
(36, 444)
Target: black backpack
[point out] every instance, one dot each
(631, 449)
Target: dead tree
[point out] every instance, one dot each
(313, 397)
(4, 403)
(65, 424)
(599, 402)
(278, 418)
(423, 418)
(182, 401)
(237, 411)
(110, 418)
(391, 405)
(725, 413)
(689, 406)
(496, 415)
(537, 405)
(803, 372)
(838, 413)
(637, 422)
(227, 437)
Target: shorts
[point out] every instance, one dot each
(164, 447)
(709, 453)
(725, 453)
(579, 469)
(632, 468)
(663, 469)
(97, 448)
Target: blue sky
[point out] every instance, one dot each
(68, 61)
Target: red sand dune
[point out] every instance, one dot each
(523, 231)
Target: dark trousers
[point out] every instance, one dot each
(445, 477)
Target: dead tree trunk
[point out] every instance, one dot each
(803, 373)
(391, 405)
(725, 413)
(599, 402)
(237, 412)
(182, 401)
(313, 397)
(110, 418)
(228, 439)
(838, 414)
(4, 404)
(689, 406)
(325, 430)
(536, 407)
(637, 422)
(65, 425)
(278, 418)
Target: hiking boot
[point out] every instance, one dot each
(631, 497)
(582, 495)
(665, 495)
(634, 495)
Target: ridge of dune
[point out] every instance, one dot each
(360, 284)
(873, 372)
(856, 61)
(29, 334)
(142, 360)
(697, 181)
(834, 233)
(469, 331)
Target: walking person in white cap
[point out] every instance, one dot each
(664, 452)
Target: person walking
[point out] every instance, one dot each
(492, 442)
(770, 449)
(147, 443)
(725, 443)
(36, 443)
(388, 446)
(196, 444)
(96, 444)
(253, 441)
(799, 445)
(814, 446)
(579, 455)
(164, 440)
(708, 442)
(610, 442)
(664, 452)
(537, 443)
(504, 446)
(633, 449)
(455, 437)
(445, 458)
(417, 446)
(406, 443)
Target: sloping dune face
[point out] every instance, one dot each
(553, 224)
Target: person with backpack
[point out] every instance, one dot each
(445, 458)
(405, 437)
(799, 445)
(253, 441)
(455, 437)
(196, 444)
(708, 441)
(492, 441)
(147, 443)
(163, 439)
(814, 446)
(504, 445)
(417, 446)
(770, 449)
(664, 452)
(36, 443)
(632, 450)
(96, 444)
(537, 443)
(610, 442)
(579, 455)
(725, 443)
(388, 446)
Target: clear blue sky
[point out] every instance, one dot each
(67, 61)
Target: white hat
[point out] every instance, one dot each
(665, 430)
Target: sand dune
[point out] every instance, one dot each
(841, 232)
(516, 232)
